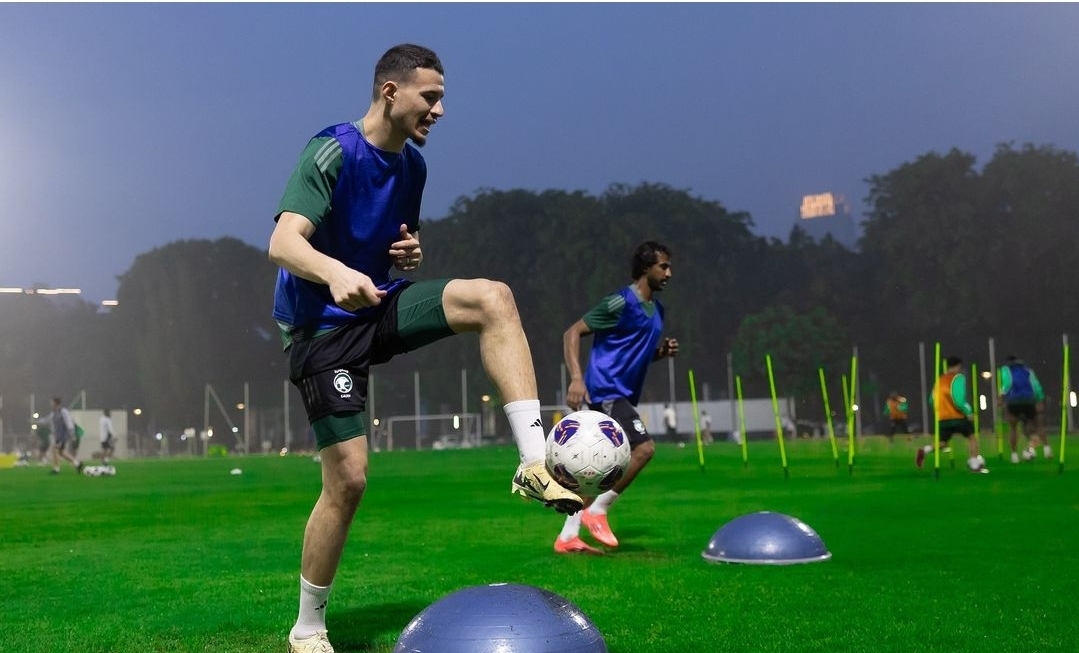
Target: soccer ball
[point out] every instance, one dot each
(99, 470)
(587, 452)
(1028, 454)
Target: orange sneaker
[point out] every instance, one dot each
(598, 527)
(576, 545)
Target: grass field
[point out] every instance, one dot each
(182, 556)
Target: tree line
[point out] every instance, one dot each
(949, 253)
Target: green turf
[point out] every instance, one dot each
(182, 556)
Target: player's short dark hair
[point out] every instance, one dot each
(645, 256)
(952, 361)
(399, 61)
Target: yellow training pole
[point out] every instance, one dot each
(696, 419)
(848, 415)
(828, 416)
(775, 412)
(1065, 399)
(741, 420)
(937, 396)
(853, 415)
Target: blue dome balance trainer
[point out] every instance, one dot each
(501, 618)
(766, 538)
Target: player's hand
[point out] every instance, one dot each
(406, 253)
(576, 394)
(669, 347)
(353, 290)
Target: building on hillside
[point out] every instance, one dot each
(828, 214)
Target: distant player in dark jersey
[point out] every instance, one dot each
(627, 326)
(349, 214)
(955, 415)
(1024, 400)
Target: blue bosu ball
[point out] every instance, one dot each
(766, 538)
(501, 618)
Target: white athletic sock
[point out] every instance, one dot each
(312, 617)
(603, 503)
(571, 528)
(1047, 451)
(928, 448)
(527, 427)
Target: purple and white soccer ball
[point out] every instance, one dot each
(587, 452)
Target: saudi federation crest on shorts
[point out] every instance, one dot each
(342, 382)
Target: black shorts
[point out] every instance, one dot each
(952, 427)
(626, 415)
(331, 370)
(1022, 410)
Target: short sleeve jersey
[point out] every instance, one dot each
(357, 196)
(627, 332)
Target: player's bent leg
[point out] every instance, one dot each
(640, 457)
(488, 307)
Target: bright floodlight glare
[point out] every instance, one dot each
(456, 422)
(235, 429)
(1072, 398)
(987, 375)
(12, 291)
(59, 291)
(109, 302)
(854, 407)
(981, 402)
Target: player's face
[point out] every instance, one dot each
(417, 104)
(660, 272)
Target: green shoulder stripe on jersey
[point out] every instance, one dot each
(329, 153)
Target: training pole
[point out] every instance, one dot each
(977, 406)
(937, 393)
(775, 412)
(1064, 402)
(848, 415)
(741, 421)
(696, 419)
(828, 416)
(853, 409)
(994, 392)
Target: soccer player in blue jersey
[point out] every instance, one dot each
(349, 214)
(1024, 401)
(627, 329)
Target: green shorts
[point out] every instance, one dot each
(331, 370)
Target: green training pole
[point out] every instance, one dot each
(977, 401)
(848, 414)
(775, 412)
(936, 410)
(853, 397)
(1065, 399)
(741, 420)
(976, 404)
(828, 415)
(696, 419)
